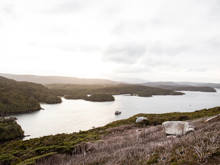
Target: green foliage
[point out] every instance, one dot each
(9, 129)
(23, 97)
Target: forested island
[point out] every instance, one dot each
(105, 92)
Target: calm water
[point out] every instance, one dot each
(74, 115)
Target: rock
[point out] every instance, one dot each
(117, 112)
(177, 128)
(213, 119)
(141, 119)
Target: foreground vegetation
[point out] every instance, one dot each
(81, 91)
(128, 145)
(34, 150)
(23, 97)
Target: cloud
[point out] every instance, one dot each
(125, 54)
(66, 6)
(153, 39)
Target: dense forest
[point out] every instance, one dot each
(81, 91)
(23, 97)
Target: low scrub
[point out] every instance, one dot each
(18, 151)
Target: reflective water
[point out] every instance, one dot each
(74, 115)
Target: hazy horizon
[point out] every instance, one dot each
(121, 40)
(7, 75)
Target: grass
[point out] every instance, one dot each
(18, 151)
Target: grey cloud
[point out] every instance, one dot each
(127, 54)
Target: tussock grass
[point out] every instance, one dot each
(147, 146)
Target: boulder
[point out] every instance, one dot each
(213, 119)
(177, 128)
(141, 119)
(117, 112)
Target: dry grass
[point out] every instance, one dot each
(128, 145)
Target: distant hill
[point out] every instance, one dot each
(22, 97)
(185, 86)
(56, 79)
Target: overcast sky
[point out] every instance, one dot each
(135, 40)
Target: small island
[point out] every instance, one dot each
(100, 97)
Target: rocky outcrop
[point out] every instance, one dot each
(177, 128)
(141, 119)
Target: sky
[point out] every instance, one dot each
(126, 40)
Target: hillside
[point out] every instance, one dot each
(56, 79)
(70, 91)
(23, 97)
(123, 142)
(188, 88)
(184, 86)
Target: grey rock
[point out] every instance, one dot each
(141, 119)
(177, 128)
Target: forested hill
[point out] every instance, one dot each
(22, 97)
